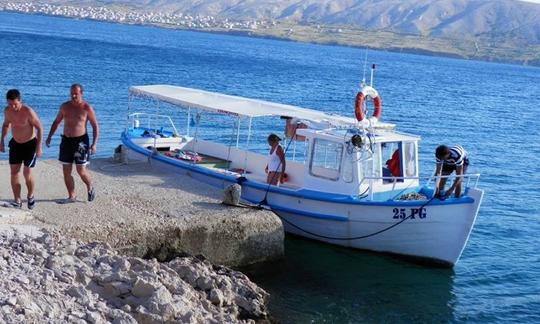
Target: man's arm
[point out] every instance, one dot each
(437, 180)
(54, 126)
(34, 121)
(95, 129)
(5, 127)
(457, 181)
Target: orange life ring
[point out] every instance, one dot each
(361, 96)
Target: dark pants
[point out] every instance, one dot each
(447, 169)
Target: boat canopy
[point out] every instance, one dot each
(236, 106)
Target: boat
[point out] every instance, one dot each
(355, 183)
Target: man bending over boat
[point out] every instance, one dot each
(24, 147)
(450, 159)
(75, 146)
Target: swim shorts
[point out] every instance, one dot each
(449, 168)
(23, 152)
(74, 149)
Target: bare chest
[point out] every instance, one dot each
(75, 115)
(18, 118)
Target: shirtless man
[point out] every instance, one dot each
(75, 146)
(24, 147)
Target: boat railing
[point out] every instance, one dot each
(469, 179)
(151, 119)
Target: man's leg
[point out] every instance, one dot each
(85, 176)
(273, 178)
(29, 179)
(68, 180)
(15, 183)
(442, 181)
(458, 187)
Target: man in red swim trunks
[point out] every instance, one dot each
(24, 147)
(75, 146)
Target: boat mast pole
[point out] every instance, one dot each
(247, 145)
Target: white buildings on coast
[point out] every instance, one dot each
(125, 15)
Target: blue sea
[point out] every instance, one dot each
(493, 110)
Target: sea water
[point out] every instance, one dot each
(493, 110)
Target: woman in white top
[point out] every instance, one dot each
(276, 161)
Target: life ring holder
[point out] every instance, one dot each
(367, 92)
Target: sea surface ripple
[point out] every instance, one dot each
(493, 110)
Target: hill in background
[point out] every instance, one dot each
(499, 30)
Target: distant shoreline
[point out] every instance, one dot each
(456, 54)
(354, 37)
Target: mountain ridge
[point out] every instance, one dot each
(501, 31)
(459, 19)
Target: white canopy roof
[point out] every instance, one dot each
(233, 105)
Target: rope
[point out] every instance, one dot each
(110, 165)
(350, 238)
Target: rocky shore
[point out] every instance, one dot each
(49, 278)
(149, 249)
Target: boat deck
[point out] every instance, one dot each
(222, 165)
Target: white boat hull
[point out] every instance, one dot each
(439, 236)
(437, 231)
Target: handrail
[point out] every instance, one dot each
(469, 176)
(131, 116)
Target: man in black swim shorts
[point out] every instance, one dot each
(24, 147)
(75, 147)
(75, 150)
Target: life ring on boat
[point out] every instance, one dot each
(361, 96)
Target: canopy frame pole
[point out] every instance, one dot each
(157, 114)
(130, 99)
(247, 145)
(197, 120)
(294, 147)
(154, 126)
(238, 132)
(188, 121)
(234, 129)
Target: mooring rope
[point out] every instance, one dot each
(355, 237)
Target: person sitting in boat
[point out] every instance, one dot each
(275, 168)
(393, 164)
(448, 160)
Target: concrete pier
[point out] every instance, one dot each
(144, 212)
